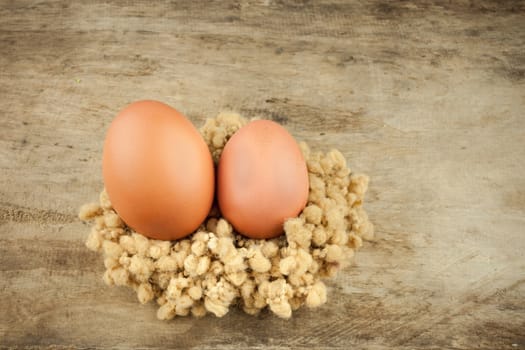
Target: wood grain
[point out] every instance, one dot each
(425, 97)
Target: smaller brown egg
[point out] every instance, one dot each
(262, 179)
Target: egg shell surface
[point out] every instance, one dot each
(262, 179)
(158, 171)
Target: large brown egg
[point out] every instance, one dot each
(158, 171)
(262, 179)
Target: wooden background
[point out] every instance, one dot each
(427, 97)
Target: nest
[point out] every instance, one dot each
(215, 267)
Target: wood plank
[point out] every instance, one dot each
(425, 97)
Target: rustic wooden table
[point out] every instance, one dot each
(427, 97)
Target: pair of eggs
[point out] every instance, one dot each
(161, 179)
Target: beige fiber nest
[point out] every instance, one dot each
(215, 267)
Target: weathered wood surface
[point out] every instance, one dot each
(428, 98)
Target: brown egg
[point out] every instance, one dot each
(158, 171)
(262, 179)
